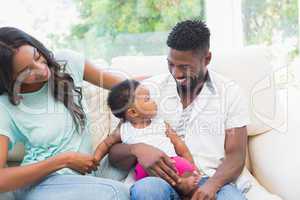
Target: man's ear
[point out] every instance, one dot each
(208, 58)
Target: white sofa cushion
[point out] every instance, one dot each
(134, 66)
(98, 112)
(274, 155)
(251, 68)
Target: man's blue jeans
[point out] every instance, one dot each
(153, 188)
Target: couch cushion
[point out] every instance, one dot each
(274, 155)
(98, 112)
(252, 69)
(134, 66)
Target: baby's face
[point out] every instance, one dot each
(145, 106)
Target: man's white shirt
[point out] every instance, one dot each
(219, 106)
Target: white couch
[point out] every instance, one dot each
(273, 135)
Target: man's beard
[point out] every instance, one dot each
(194, 84)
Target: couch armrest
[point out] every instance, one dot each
(274, 155)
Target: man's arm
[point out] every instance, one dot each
(235, 156)
(230, 168)
(120, 156)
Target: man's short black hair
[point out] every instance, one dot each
(121, 97)
(189, 35)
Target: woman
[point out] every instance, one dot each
(41, 106)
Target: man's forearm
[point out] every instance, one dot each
(120, 156)
(228, 171)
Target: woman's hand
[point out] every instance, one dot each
(156, 162)
(81, 163)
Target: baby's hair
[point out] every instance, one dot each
(121, 97)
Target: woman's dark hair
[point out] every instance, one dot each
(121, 97)
(62, 84)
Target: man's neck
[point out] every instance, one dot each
(188, 97)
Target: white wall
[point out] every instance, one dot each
(299, 23)
(224, 18)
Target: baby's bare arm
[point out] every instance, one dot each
(104, 147)
(181, 148)
(179, 145)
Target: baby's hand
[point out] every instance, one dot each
(101, 151)
(105, 145)
(169, 129)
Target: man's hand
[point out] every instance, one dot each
(156, 162)
(205, 192)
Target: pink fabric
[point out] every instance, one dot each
(181, 164)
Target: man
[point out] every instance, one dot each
(207, 110)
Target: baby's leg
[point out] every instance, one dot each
(189, 176)
(139, 172)
(186, 170)
(183, 166)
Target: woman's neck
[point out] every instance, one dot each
(27, 88)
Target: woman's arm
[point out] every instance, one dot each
(12, 178)
(100, 77)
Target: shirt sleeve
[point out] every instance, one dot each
(74, 63)
(8, 128)
(124, 133)
(237, 113)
